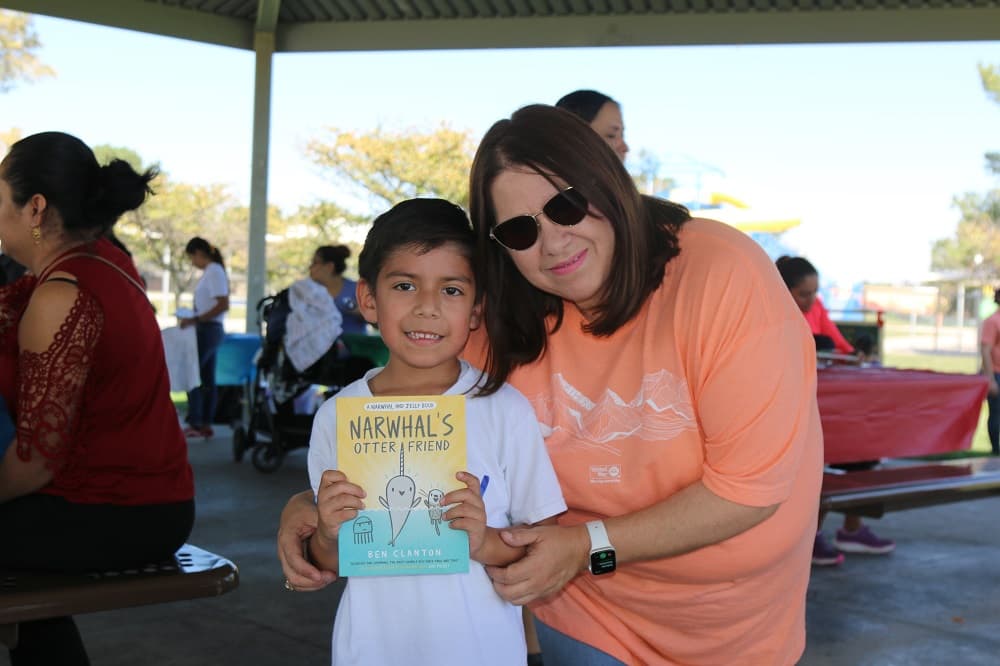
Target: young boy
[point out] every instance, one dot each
(419, 286)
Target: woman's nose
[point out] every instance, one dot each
(552, 237)
(622, 148)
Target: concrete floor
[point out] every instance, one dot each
(935, 601)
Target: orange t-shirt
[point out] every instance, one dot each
(714, 379)
(991, 338)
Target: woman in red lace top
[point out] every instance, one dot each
(97, 475)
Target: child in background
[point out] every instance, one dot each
(418, 284)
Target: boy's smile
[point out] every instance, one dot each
(425, 306)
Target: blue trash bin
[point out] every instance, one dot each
(235, 372)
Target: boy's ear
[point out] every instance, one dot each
(476, 317)
(366, 301)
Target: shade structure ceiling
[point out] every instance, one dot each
(367, 25)
(268, 27)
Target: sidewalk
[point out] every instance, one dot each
(935, 601)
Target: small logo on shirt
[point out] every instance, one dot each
(605, 473)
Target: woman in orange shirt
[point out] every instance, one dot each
(636, 332)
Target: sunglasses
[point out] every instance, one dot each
(566, 208)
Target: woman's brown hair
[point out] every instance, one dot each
(558, 145)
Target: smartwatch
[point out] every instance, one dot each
(602, 553)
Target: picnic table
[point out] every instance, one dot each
(873, 413)
(885, 414)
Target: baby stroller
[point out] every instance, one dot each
(274, 427)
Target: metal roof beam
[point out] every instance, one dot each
(150, 17)
(746, 27)
(267, 15)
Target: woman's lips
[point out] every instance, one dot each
(569, 266)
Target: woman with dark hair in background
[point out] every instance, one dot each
(96, 476)
(327, 267)
(211, 301)
(802, 280)
(603, 114)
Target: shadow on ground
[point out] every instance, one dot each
(935, 601)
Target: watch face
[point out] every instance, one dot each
(602, 561)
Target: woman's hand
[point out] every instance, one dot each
(184, 322)
(555, 556)
(469, 514)
(298, 522)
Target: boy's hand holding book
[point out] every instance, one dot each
(469, 514)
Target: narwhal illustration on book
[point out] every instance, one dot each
(400, 498)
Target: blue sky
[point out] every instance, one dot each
(867, 144)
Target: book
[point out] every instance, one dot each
(404, 451)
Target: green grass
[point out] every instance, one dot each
(961, 363)
(180, 400)
(958, 363)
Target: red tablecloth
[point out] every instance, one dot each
(872, 413)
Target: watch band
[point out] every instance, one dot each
(598, 535)
(603, 559)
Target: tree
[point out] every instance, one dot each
(292, 239)
(990, 76)
(975, 247)
(384, 167)
(976, 244)
(648, 178)
(9, 138)
(158, 232)
(105, 153)
(18, 44)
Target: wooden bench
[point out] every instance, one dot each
(899, 485)
(193, 573)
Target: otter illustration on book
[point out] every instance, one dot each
(400, 498)
(435, 510)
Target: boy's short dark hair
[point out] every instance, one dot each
(422, 225)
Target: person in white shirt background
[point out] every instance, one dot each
(211, 301)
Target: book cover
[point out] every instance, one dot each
(404, 451)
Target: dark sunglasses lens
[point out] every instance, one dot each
(566, 208)
(517, 233)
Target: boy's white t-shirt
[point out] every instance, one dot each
(210, 287)
(452, 619)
